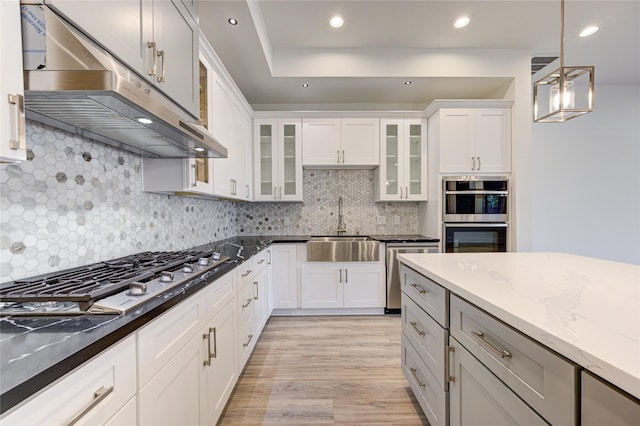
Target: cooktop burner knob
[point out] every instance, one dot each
(137, 289)
(215, 256)
(166, 276)
(203, 261)
(187, 268)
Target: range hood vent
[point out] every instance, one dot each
(73, 84)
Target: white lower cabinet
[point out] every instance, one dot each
(477, 397)
(284, 277)
(342, 285)
(97, 392)
(603, 404)
(176, 395)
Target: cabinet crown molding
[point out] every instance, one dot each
(466, 103)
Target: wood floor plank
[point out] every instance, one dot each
(325, 371)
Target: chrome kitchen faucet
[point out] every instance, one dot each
(342, 227)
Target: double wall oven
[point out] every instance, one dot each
(475, 214)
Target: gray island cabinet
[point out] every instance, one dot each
(492, 339)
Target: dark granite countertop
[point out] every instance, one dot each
(35, 351)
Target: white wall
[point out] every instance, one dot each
(585, 180)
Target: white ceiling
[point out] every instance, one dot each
(280, 44)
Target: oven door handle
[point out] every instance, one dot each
(479, 192)
(476, 225)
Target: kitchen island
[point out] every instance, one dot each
(586, 310)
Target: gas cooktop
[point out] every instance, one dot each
(111, 287)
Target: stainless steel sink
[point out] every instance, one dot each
(343, 249)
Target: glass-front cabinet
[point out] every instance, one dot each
(278, 160)
(403, 164)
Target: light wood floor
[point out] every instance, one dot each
(325, 370)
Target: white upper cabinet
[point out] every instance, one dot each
(158, 39)
(337, 143)
(471, 138)
(278, 155)
(12, 131)
(402, 175)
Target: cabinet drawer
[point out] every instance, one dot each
(219, 293)
(541, 378)
(246, 342)
(605, 405)
(164, 337)
(245, 305)
(432, 398)
(245, 270)
(431, 297)
(259, 261)
(426, 336)
(102, 386)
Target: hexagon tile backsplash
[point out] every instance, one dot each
(76, 201)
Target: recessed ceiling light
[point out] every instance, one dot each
(462, 22)
(197, 148)
(408, 82)
(589, 31)
(305, 85)
(336, 21)
(144, 120)
(233, 21)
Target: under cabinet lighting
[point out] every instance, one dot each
(144, 120)
(197, 148)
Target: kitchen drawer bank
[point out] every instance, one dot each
(37, 351)
(488, 370)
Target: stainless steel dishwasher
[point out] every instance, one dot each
(393, 270)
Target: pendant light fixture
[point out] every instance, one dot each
(566, 93)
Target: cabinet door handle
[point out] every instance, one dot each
(338, 151)
(247, 190)
(269, 257)
(406, 192)
(98, 397)
(246, 305)
(275, 192)
(154, 53)
(161, 76)
(280, 193)
(473, 163)
(415, 327)
(346, 276)
(19, 141)
(415, 376)
(502, 353)
(343, 156)
(215, 342)
(420, 290)
(195, 175)
(244, 345)
(207, 337)
(447, 364)
(479, 164)
(255, 283)
(340, 274)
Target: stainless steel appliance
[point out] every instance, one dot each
(393, 270)
(72, 83)
(475, 214)
(111, 287)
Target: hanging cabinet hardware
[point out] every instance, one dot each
(98, 396)
(415, 326)
(447, 364)
(480, 337)
(415, 376)
(154, 53)
(161, 76)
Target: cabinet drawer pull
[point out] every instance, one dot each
(421, 290)
(154, 53)
(246, 273)
(447, 364)
(17, 142)
(247, 304)
(415, 326)
(244, 345)
(261, 261)
(499, 352)
(415, 376)
(161, 76)
(98, 397)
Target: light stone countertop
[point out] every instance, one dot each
(586, 309)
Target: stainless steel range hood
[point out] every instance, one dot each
(73, 84)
